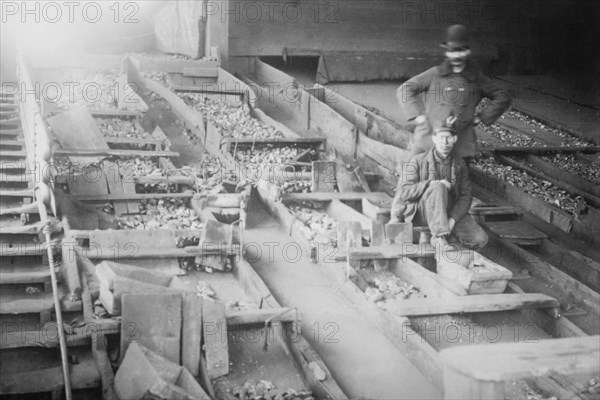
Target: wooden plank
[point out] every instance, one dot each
(191, 333)
(134, 196)
(157, 328)
(567, 356)
(16, 193)
(131, 251)
(13, 153)
(85, 154)
(299, 141)
(472, 304)
(84, 375)
(458, 386)
(214, 329)
(208, 72)
(374, 126)
(115, 187)
(517, 231)
(77, 129)
(391, 251)
(542, 150)
(378, 239)
(328, 196)
(399, 233)
(251, 317)
(324, 176)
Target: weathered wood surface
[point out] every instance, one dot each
(567, 356)
(76, 129)
(84, 375)
(388, 252)
(214, 327)
(472, 304)
(327, 196)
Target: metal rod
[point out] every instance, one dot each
(58, 311)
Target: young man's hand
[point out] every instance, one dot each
(444, 182)
(451, 223)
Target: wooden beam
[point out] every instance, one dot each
(102, 253)
(84, 375)
(300, 141)
(115, 152)
(391, 251)
(135, 196)
(328, 196)
(281, 314)
(472, 304)
(567, 356)
(541, 150)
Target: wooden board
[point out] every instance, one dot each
(472, 304)
(84, 375)
(324, 176)
(216, 349)
(115, 187)
(157, 328)
(517, 231)
(191, 333)
(76, 129)
(566, 356)
(327, 196)
(391, 251)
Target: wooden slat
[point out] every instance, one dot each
(13, 153)
(300, 141)
(113, 152)
(517, 231)
(77, 129)
(25, 304)
(215, 339)
(114, 187)
(472, 304)
(16, 193)
(327, 196)
(391, 252)
(282, 314)
(135, 196)
(566, 356)
(541, 150)
(133, 251)
(84, 375)
(324, 176)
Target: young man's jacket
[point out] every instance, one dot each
(416, 175)
(439, 93)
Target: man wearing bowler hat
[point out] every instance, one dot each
(452, 89)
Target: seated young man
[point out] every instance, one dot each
(434, 190)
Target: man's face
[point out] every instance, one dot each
(458, 58)
(444, 142)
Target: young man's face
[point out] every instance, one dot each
(458, 58)
(444, 142)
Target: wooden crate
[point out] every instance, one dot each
(474, 272)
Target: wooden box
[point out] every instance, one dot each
(474, 272)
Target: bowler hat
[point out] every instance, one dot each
(456, 38)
